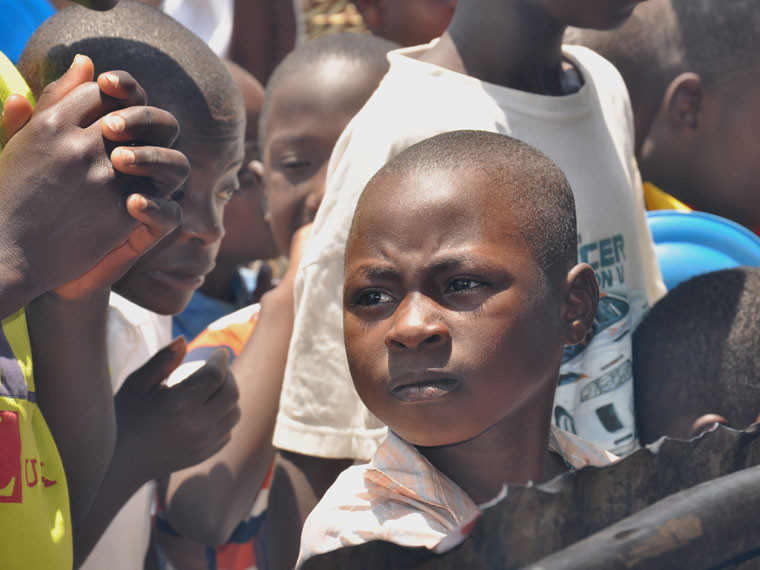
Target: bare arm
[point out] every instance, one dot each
(160, 429)
(298, 483)
(207, 501)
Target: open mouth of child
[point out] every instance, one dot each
(425, 390)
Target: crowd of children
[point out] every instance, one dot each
(471, 299)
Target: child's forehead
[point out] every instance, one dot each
(448, 203)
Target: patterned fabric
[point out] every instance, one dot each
(246, 544)
(400, 497)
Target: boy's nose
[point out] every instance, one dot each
(202, 225)
(416, 324)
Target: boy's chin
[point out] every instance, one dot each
(170, 302)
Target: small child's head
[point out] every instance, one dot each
(407, 22)
(691, 67)
(310, 98)
(696, 356)
(182, 75)
(461, 287)
(246, 234)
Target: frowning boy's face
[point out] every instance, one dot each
(450, 324)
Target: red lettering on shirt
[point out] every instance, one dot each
(10, 458)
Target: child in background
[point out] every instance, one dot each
(232, 285)
(160, 429)
(461, 287)
(500, 67)
(697, 356)
(690, 69)
(38, 504)
(310, 99)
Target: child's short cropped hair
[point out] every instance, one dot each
(698, 352)
(540, 194)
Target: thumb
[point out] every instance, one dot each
(150, 375)
(81, 71)
(205, 381)
(16, 113)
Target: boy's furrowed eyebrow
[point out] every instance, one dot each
(375, 272)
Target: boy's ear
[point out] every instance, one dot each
(581, 299)
(705, 422)
(371, 13)
(684, 104)
(257, 170)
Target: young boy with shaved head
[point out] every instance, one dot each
(697, 356)
(55, 178)
(461, 288)
(691, 69)
(160, 428)
(499, 67)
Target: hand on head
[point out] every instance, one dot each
(171, 428)
(72, 187)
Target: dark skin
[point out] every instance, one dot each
(247, 237)
(36, 261)
(307, 115)
(513, 43)
(70, 102)
(263, 33)
(530, 33)
(161, 428)
(407, 22)
(701, 147)
(454, 334)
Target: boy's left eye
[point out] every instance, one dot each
(463, 284)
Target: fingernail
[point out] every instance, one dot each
(142, 202)
(111, 78)
(128, 156)
(76, 58)
(177, 344)
(116, 123)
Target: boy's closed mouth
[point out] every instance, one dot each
(422, 390)
(180, 279)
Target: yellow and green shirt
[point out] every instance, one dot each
(35, 522)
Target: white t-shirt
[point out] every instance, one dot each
(589, 134)
(135, 334)
(210, 20)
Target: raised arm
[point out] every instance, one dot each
(67, 324)
(207, 501)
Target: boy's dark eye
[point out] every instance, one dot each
(372, 298)
(295, 164)
(463, 284)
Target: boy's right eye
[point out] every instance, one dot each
(295, 163)
(372, 298)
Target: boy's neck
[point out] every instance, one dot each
(218, 283)
(507, 43)
(514, 451)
